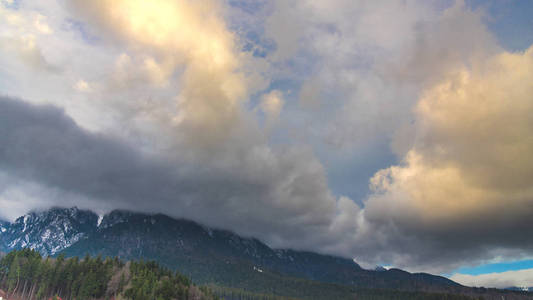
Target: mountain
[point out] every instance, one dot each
(48, 232)
(97, 278)
(207, 255)
(3, 226)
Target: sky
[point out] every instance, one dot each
(396, 133)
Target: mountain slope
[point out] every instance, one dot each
(205, 254)
(208, 256)
(111, 278)
(221, 257)
(48, 232)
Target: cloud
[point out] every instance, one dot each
(366, 63)
(520, 278)
(463, 188)
(190, 148)
(41, 25)
(212, 87)
(50, 152)
(171, 125)
(27, 50)
(22, 41)
(271, 105)
(82, 86)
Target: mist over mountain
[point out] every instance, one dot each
(206, 255)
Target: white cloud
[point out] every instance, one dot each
(41, 25)
(271, 105)
(520, 278)
(82, 86)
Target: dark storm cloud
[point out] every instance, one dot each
(43, 145)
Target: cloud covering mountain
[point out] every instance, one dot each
(244, 116)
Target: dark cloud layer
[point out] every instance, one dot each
(43, 145)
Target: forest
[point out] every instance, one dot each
(25, 274)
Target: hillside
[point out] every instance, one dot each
(206, 255)
(24, 274)
(212, 257)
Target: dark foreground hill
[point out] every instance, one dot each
(212, 257)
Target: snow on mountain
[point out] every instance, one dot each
(99, 222)
(3, 226)
(48, 232)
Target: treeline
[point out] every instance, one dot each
(24, 274)
(151, 281)
(27, 275)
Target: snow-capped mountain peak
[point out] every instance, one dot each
(49, 231)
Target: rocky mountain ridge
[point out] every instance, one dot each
(47, 232)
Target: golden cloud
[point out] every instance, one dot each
(472, 154)
(181, 38)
